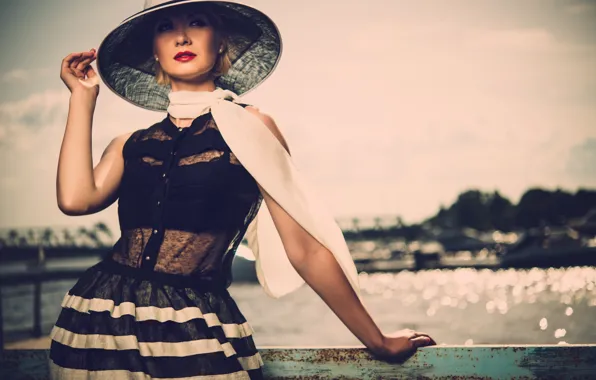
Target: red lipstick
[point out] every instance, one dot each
(184, 56)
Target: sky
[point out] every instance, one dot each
(390, 108)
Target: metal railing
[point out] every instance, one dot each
(437, 362)
(36, 276)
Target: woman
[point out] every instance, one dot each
(189, 188)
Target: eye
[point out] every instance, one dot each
(198, 22)
(163, 26)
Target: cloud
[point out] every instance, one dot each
(9, 183)
(29, 122)
(31, 134)
(582, 159)
(15, 76)
(22, 120)
(581, 8)
(396, 115)
(22, 75)
(528, 39)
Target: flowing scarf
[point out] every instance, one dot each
(267, 161)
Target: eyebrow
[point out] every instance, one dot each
(188, 15)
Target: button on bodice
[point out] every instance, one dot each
(185, 187)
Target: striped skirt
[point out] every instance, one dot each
(120, 322)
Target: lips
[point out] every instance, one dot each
(184, 55)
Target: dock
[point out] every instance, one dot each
(436, 362)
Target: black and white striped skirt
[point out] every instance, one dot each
(120, 322)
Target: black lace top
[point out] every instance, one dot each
(185, 201)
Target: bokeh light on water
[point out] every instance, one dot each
(462, 306)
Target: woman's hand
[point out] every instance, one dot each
(78, 74)
(402, 344)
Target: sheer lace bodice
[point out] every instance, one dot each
(185, 200)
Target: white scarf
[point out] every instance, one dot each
(267, 161)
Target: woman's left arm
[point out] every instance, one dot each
(318, 266)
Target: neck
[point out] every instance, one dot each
(181, 123)
(206, 85)
(186, 105)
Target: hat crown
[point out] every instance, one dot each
(152, 3)
(127, 66)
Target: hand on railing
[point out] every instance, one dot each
(402, 344)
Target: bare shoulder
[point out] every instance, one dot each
(270, 123)
(121, 139)
(117, 143)
(265, 118)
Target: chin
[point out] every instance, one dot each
(189, 75)
(190, 72)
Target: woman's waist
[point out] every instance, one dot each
(213, 280)
(183, 216)
(178, 247)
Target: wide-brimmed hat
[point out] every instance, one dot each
(126, 64)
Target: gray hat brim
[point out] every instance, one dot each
(125, 59)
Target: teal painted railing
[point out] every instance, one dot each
(437, 362)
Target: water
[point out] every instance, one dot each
(463, 306)
(59, 263)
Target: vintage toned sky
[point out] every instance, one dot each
(389, 107)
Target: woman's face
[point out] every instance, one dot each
(177, 32)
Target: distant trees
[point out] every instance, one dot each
(501, 212)
(483, 211)
(96, 236)
(537, 207)
(487, 211)
(48, 237)
(13, 237)
(472, 210)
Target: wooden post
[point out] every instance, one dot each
(37, 309)
(41, 262)
(36, 277)
(41, 256)
(1, 323)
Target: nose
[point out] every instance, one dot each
(182, 37)
(182, 40)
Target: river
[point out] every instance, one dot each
(462, 306)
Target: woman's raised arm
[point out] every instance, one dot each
(81, 189)
(319, 268)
